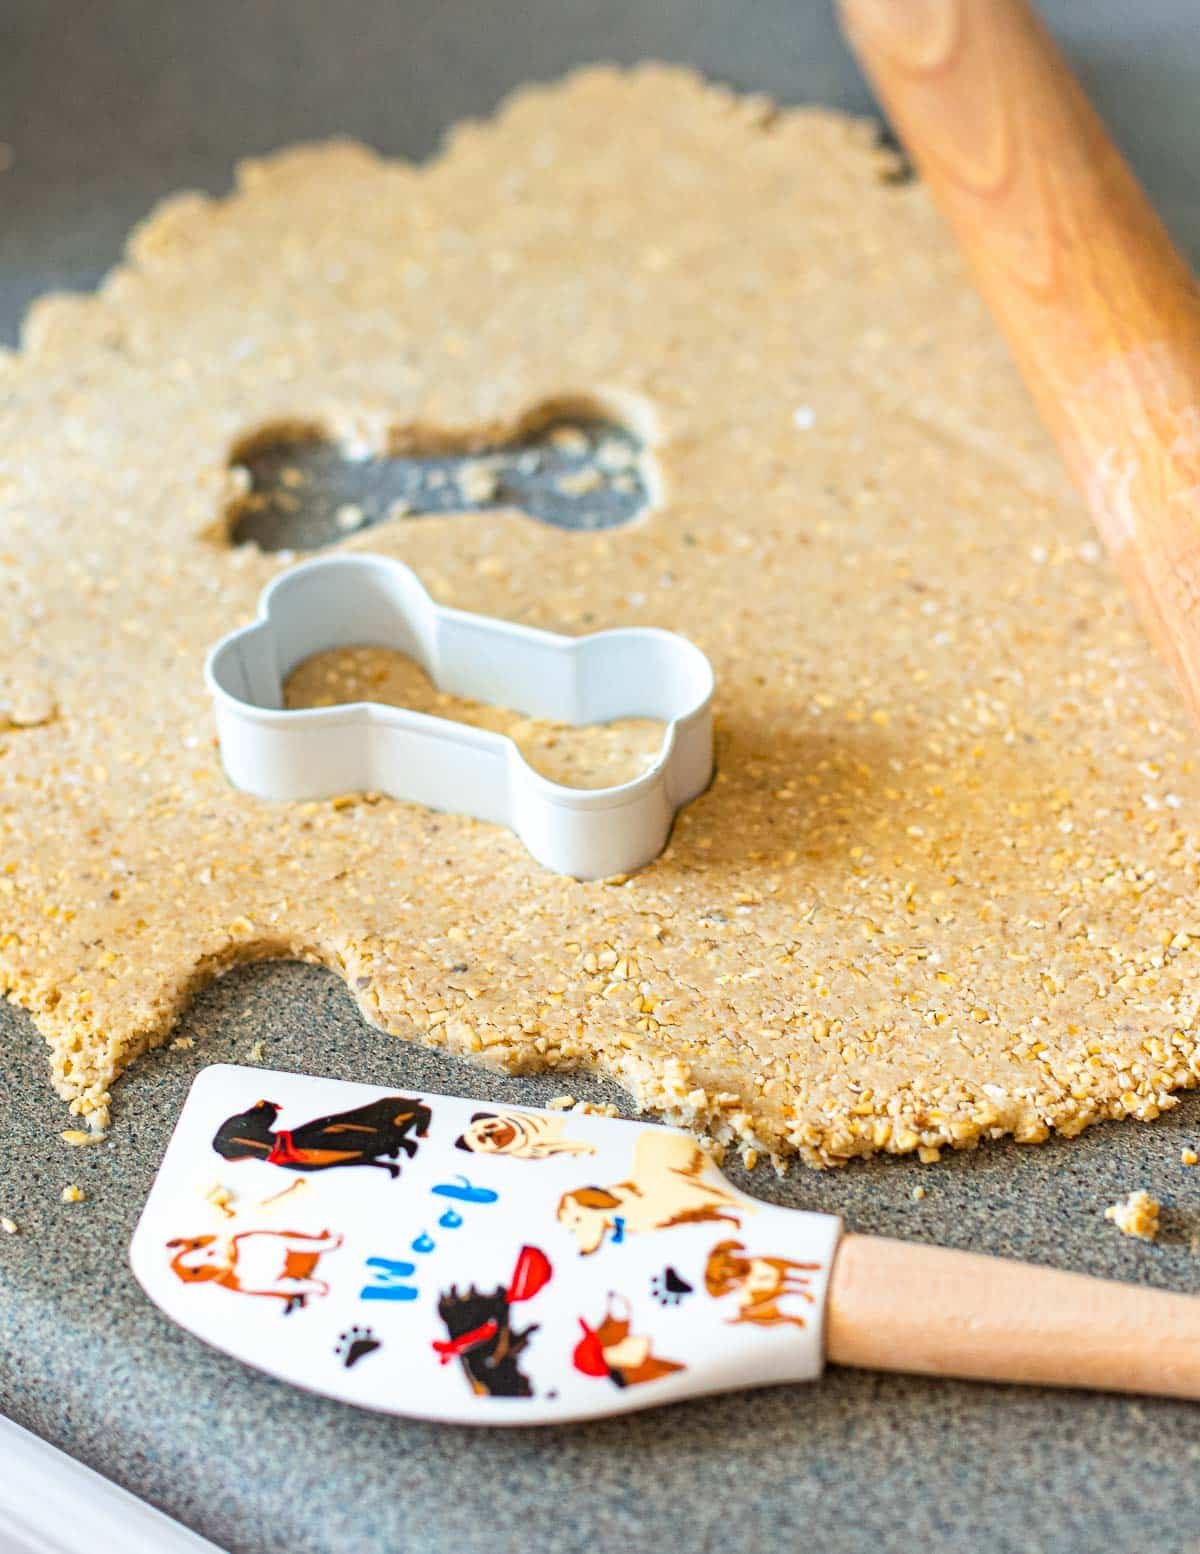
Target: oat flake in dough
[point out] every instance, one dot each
(944, 885)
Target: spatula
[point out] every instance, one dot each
(450, 1260)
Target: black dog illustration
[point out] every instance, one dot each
(482, 1338)
(356, 1138)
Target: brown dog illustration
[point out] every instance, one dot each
(524, 1135)
(280, 1264)
(670, 1186)
(614, 1350)
(761, 1283)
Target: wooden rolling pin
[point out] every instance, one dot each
(1096, 304)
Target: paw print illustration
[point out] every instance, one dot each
(354, 1344)
(669, 1287)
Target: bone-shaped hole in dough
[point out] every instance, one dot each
(582, 472)
(590, 755)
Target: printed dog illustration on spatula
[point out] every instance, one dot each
(481, 1336)
(277, 1264)
(361, 1137)
(670, 1185)
(524, 1136)
(614, 1350)
(761, 1283)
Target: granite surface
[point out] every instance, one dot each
(118, 102)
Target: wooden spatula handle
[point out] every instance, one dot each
(1098, 308)
(902, 1307)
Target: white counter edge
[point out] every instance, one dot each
(51, 1504)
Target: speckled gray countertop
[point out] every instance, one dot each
(110, 105)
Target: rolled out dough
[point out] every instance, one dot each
(944, 886)
(597, 755)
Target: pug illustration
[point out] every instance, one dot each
(672, 1184)
(524, 1135)
(370, 1135)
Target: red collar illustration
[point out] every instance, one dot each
(449, 1349)
(283, 1151)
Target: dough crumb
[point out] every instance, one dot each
(561, 1103)
(1188, 1157)
(72, 1194)
(257, 1053)
(80, 1136)
(1136, 1215)
(594, 1108)
(31, 707)
(615, 456)
(478, 483)
(579, 484)
(918, 1193)
(349, 517)
(183, 1044)
(8, 1226)
(570, 439)
(220, 1197)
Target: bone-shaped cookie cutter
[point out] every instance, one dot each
(370, 600)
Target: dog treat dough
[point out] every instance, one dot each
(597, 755)
(1136, 1215)
(944, 885)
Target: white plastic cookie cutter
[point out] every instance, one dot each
(371, 600)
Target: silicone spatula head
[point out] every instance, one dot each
(441, 1258)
